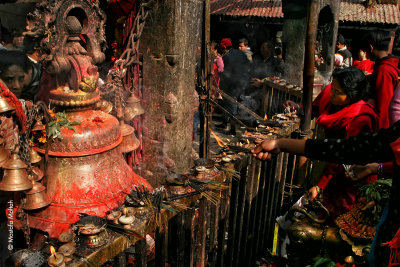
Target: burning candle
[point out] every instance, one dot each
(55, 259)
(126, 219)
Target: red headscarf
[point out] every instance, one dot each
(225, 42)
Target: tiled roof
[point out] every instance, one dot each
(255, 8)
(349, 12)
(380, 13)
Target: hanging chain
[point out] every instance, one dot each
(24, 142)
(130, 54)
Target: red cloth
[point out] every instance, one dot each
(13, 101)
(340, 122)
(364, 65)
(394, 250)
(225, 42)
(120, 8)
(384, 81)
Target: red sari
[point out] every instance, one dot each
(339, 122)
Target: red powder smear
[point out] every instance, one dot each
(98, 119)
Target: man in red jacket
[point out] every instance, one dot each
(385, 76)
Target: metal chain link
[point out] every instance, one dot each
(24, 142)
(130, 54)
(33, 113)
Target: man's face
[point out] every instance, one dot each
(265, 50)
(339, 46)
(14, 77)
(242, 46)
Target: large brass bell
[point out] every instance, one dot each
(5, 106)
(15, 176)
(35, 158)
(36, 198)
(129, 142)
(133, 108)
(4, 153)
(38, 126)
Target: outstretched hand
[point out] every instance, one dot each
(265, 150)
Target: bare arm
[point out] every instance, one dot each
(265, 150)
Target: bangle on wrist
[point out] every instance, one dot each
(318, 189)
(380, 170)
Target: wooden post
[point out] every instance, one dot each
(309, 62)
(205, 114)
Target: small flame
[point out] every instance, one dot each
(53, 251)
(248, 142)
(124, 211)
(228, 140)
(256, 129)
(265, 117)
(220, 142)
(224, 154)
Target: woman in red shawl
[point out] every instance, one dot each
(364, 63)
(342, 111)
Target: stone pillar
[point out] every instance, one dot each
(294, 37)
(169, 44)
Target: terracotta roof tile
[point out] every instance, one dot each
(253, 8)
(350, 10)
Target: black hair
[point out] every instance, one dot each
(340, 39)
(13, 57)
(31, 44)
(278, 51)
(353, 82)
(244, 41)
(7, 36)
(379, 39)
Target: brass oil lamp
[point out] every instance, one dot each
(15, 176)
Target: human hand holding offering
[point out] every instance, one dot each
(359, 172)
(267, 148)
(313, 192)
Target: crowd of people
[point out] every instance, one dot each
(361, 127)
(238, 72)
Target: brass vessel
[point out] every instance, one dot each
(15, 176)
(36, 198)
(133, 108)
(310, 230)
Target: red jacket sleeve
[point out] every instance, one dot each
(383, 94)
